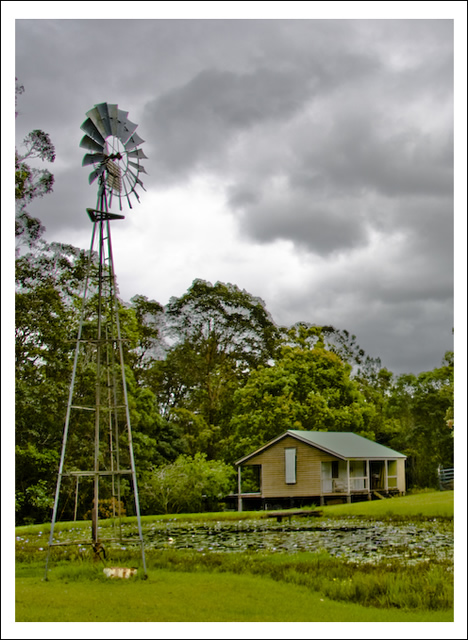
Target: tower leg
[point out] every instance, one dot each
(109, 407)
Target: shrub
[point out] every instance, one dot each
(186, 484)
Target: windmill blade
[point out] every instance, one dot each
(127, 185)
(137, 153)
(140, 168)
(127, 129)
(96, 173)
(100, 117)
(90, 144)
(90, 128)
(93, 158)
(113, 118)
(128, 200)
(122, 119)
(137, 179)
(104, 116)
(134, 141)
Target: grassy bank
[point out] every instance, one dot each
(437, 504)
(249, 586)
(169, 596)
(395, 584)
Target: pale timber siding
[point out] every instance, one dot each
(308, 470)
(401, 481)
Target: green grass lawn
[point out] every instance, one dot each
(436, 504)
(169, 596)
(186, 587)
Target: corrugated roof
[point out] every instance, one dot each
(346, 445)
(343, 445)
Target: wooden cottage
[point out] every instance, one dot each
(305, 467)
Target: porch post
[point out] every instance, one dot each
(349, 481)
(386, 476)
(239, 498)
(369, 495)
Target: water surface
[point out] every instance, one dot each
(357, 540)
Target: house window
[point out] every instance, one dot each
(392, 474)
(290, 466)
(335, 467)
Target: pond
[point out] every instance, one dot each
(351, 539)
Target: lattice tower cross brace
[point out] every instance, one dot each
(101, 218)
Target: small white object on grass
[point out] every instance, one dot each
(119, 572)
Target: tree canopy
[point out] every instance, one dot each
(305, 388)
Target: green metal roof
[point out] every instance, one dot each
(342, 445)
(346, 445)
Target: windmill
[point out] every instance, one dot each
(112, 149)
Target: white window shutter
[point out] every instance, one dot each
(290, 465)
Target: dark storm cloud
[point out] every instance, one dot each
(347, 127)
(335, 136)
(193, 123)
(322, 228)
(362, 154)
(196, 124)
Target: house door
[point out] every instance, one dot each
(377, 475)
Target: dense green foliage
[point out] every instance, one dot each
(210, 376)
(307, 389)
(188, 484)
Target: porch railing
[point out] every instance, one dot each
(340, 485)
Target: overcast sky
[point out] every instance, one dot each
(308, 161)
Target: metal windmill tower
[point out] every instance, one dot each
(113, 150)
